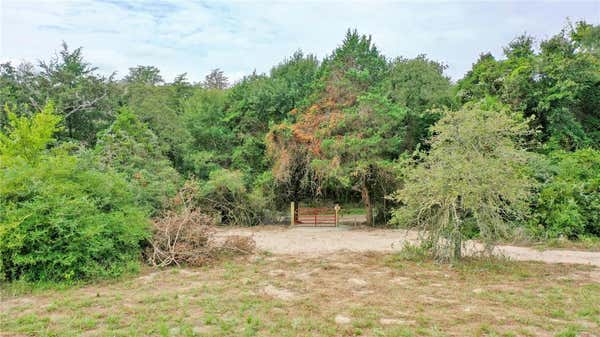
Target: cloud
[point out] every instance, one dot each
(238, 37)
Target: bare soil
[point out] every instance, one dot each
(309, 241)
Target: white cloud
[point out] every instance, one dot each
(195, 37)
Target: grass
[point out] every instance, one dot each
(402, 294)
(353, 211)
(587, 243)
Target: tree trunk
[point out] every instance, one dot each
(364, 191)
(458, 230)
(457, 248)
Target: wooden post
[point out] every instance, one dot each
(292, 214)
(337, 209)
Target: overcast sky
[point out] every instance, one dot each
(238, 37)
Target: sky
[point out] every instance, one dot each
(242, 36)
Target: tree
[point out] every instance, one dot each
(148, 75)
(329, 142)
(294, 81)
(216, 79)
(350, 70)
(258, 101)
(211, 142)
(419, 85)
(358, 151)
(16, 89)
(85, 101)
(131, 148)
(473, 177)
(159, 107)
(559, 85)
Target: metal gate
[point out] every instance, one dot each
(314, 216)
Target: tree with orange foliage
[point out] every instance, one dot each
(350, 135)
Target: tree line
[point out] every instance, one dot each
(87, 159)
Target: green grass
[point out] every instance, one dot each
(588, 243)
(477, 297)
(353, 211)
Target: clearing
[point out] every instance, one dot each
(314, 241)
(306, 286)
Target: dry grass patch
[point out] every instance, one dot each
(339, 295)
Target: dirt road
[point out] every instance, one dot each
(321, 241)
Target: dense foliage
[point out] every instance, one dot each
(62, 218)
(354, 127)
(559, 85)
(473, 176)
(568, 203)
(130, 147)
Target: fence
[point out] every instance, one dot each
(314, 216)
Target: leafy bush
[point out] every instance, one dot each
(211, 142)
(60, 218)
(568, 203)
(130, 147)
(227, 196)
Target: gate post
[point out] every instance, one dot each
(292, 214)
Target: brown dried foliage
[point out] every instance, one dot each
(187, 236)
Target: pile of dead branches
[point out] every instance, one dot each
(187, 236)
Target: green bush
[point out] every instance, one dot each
(568, 203)
(60, 217)
(131, 148)
(225, 194)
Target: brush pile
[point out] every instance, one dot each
(187, 236)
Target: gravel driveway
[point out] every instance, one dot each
(320, 241)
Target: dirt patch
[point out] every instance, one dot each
(323, 241)
(357, 282)
(341, 319)
(279, 293)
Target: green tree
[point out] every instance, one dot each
(216, 79)
(350, 70)
(559, 85)
(148, 75)
(85, 101)
(131, 148)
(212, 141)
(258, 101)
(418, 85)
(473, 175)
(28, 138)
(15, 88)
(341, 140)
(159, 107)
(358, 152)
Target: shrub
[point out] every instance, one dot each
(131, 148)
(568, 203)
(61, 219)
(226, 195)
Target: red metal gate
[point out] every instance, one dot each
(315, 217)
